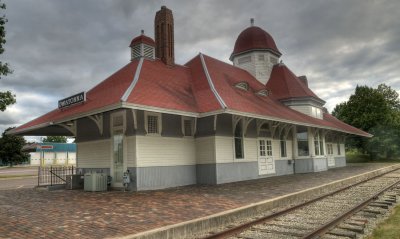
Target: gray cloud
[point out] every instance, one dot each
(57, 48)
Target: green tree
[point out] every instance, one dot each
(54, 139)
(376, 111)
(6, 97)
(10, 149)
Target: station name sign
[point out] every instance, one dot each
(72, 100)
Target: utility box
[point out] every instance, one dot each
(74, 181)
(95, 182)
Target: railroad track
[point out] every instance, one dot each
(340, 214)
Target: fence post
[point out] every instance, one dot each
(51, 175)
(38, 178)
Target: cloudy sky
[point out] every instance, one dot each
(58, 48)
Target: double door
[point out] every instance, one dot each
(329, 155)
(266, 163)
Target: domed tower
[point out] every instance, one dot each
(255, 51)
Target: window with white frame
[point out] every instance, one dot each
(269, 147)
(302, 141)
(283, 147)
(262, 147)
(153, 123)
(338, 149)
(238, 138)
(318, 144)
(329, 149)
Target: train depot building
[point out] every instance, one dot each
(204, 122)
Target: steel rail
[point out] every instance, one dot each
(240, 228)
(330, 225)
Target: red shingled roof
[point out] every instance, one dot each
(164, 87)
(254, 38)
(284, 84)
(142, 39)
(107, 93)
(187, 89)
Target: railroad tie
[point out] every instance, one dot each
(353, 228)
(343, 233)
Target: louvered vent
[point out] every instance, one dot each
(135, 52)
(148, 51)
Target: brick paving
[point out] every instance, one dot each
(30, 213)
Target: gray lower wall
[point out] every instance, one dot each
(206, 173)
(148, 178)
(238, 171)
(340, 162)
(284, 167)
(308, 165)
(320, 164)
(304, 165)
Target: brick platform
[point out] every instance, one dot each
(29, 213)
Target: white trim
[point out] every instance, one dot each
(134, 115)
(211, 84)
(70, 126)
(234, 112)
(133, 83)
(159, 122)
(160, 110)
(192, 123)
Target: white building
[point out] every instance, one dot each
(204, 122)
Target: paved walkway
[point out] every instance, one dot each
(29, 213)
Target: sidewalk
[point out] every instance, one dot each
(29, 213)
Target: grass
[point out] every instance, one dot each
(389, 229)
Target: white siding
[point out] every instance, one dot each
(165, 151)
(250, 149)
(224, 149)
(94, 154)
(131, 151)
(302, 109)
(289, 149)
(260, 69)
(205, 150)
(276, 149)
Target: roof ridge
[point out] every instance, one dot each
(211, 84)
(134, 81)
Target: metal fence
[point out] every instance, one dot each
(54, 175)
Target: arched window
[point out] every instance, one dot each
(264, 131)
(238, 136)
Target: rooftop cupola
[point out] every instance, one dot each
(256, 52)
(142, 46)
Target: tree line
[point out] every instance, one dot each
(376, 111)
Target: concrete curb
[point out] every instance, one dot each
(208, 223)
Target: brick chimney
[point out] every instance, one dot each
(164, 35)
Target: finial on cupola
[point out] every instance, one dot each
(252, 22)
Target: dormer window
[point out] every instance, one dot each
(242, 86)
(263, 92)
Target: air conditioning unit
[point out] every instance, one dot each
(74, 181)
(95, 182)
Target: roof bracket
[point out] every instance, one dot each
(70, 126)
(98, 120)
